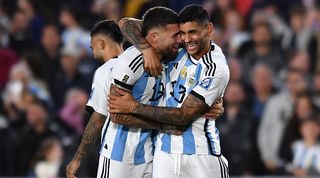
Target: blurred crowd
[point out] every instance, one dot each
(271, 121)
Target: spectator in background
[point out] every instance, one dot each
(278, 110)
(233, 28)
(300, 61)
(34, 20)
(73, 111)
(74, 37)
(235, 70)
(300, 38)
(235, 130)
(316, 89)
(303, 109)
(32, 135)
(262, 84)
(69, 76)
(260, 50)
(50, 48)
(306, 152)
(19, 38)
(50, 157)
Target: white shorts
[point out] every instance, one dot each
(114, 169)
(172, 165)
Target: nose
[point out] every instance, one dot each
(187, 38)
(178, 38)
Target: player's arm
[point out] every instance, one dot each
(90, 135)
(191, 108)
(131, 30)
(132, 120)
(194, 106)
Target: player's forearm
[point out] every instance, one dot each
(191, 108)
(131, 30)
(130, 120)
(90, 135)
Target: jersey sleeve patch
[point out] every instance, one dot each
(206, 83)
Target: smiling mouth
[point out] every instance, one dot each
(191, 46)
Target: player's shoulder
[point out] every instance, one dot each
(215, 62)
(130, 54)
(216, 54)
(106, 67)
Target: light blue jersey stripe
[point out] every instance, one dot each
(120, 141)
(139, 154)
(166, 143)
(189, 146)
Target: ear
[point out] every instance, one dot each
(101, 44)
(210, 28)
(154, 37)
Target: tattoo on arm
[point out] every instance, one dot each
(191, 108)
(131, 30)
(90, 135)
(130, 120)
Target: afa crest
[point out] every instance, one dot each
(183, 73)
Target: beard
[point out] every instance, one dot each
(168, 55)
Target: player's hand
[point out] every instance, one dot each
(216, 110)
(151, 62)
(72, 168)
(121, 104)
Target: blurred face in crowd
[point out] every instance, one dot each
(234, 94)
(316, 82)
(295, 82)
(50, 37)
(310, 130)
(19, 22)
(261, 35)
(66, 18)
(36, 114)
(297, 22)
(301, 62)
(303, 107)
(262, 79)
(69, 64)
(235, 69)
(196, 37)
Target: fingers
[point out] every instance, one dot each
(121, 92)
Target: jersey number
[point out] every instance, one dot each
(181, 94)
(158, 91)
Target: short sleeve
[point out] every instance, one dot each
(125, 74)
(99, 91)
(213, 82)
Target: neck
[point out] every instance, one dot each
(310, 142)
(114, 51)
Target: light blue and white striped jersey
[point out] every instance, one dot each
(98, 98)
(132, 144)
(307, 158)
(206, 79)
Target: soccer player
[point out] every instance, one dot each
(125, 152)
(106, 43)
(197, 82)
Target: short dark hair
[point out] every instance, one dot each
(158, 17)
(108, 28)
(195, 13)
